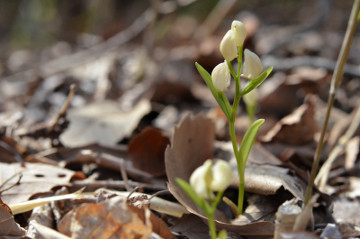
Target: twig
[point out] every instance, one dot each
(335, 83)
(62, 112)
(323, 174)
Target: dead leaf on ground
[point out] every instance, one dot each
(8, 227)
(297, 128)
(28, 179)
(147, 149)
(108, 219)
(102, 122)
(158, 226)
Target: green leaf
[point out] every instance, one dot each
(218, 95)
(222, 234)
(191, 193)
(248, 140)
(256, 82)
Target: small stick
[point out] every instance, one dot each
(335, 83)
(62, 112)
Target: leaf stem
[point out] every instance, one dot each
(335, 82)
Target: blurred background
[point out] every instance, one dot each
(108, 47)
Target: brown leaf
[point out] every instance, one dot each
(8, 226)
(297, 128)
(29, 179)
(146, 151)
(192, 144)
(158, 226)
(108, 219)
(267, 180)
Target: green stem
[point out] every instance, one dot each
(212, 226)
(335, 82)
(241, 169)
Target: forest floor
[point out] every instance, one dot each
(109, 120)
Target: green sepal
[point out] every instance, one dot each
(218, 95)
(256, 82)
(248, 140)
(191, 193)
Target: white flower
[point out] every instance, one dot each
(201, 178)
(209, 178)
(251, 98)
(221, 76)
(252, 65)
(239, 32)
(228, 46)
(222, 176)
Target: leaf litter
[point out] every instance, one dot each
(132, 126)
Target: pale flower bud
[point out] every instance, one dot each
(201, 178)
(251, 98)
(252, 65)
(222, 176)
(228, 46)
(239, 32)
(209, 178)
(221, 76)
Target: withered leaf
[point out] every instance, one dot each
(108, 219)
(192, 144)
(102, 122)
(146, 151)
(8, 226)
(297, 128)
(25, 180)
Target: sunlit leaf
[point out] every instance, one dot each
(219, 96)
(256, 82)
(249, 139)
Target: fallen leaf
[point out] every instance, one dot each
(108, 219)
(297, 128)
(147, 149)
(267, 180)
(25, 180)
(158, 226)
(102, 122)
(8, 227)
(192, 144)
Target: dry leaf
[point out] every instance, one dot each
(108, 219)
(8, 227)
(158, 225)
(297, 128)
(32, 178)
(102, 122)
(146, 151)
(267, 180)
(191, 145)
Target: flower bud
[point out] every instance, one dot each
(228, 46)
(239, 32)
(201, 178)
(251, 98)
(209, 178)
(221, 76)
(222, 176)
(252, 65)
